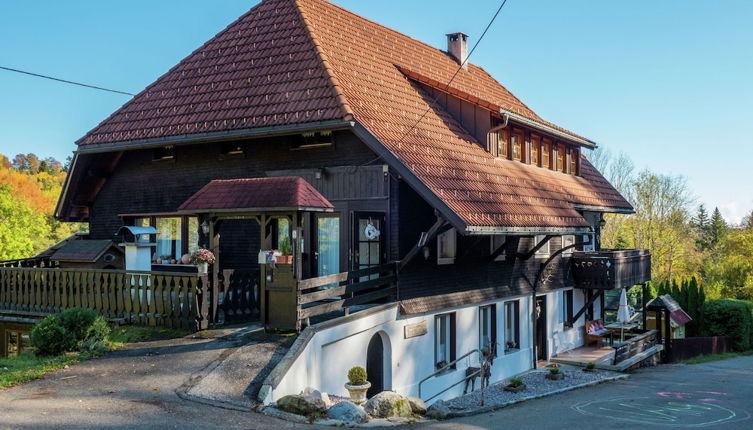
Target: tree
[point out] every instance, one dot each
(701, 223)
(717, 228)
(747, 221)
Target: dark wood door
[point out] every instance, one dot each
(368, 240)
(375, 365)
(541, 349)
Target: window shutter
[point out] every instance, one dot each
(494, 345)
(453, 343)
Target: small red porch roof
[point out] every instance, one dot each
(256, 194)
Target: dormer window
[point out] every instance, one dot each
(517, 140)
(546, 154)
(163, 153)
(535, 150)
(574, 157)
(503, 143)
(561, 157)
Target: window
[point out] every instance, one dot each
(163, 153)
(512, 326)
(446, 247)
(561, 157)
(517, 144)
(281, 240)
(444, 340)
(568, 241)
(312, 140)
(574, 156)
(588, 246)
(503, 143)
(542, 252)
(546, 154)
(497, 241)
(566, 299)
(535, 150)
(487, 329)
(176, 236)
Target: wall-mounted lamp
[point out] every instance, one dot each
(427, 253)
(205, 227)
(319, 173)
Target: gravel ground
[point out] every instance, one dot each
(536, 384)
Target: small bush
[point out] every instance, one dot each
(516, 382)
(357, 375)
(590, 366)
(74, 329)
(729, 317)
(554, 370)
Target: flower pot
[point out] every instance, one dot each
(358, 392)
(555, 376)
(514, 389)
(203, 268)
(284, 259)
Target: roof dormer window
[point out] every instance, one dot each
(517, 139)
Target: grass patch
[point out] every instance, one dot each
(715, 357)
(27, 366)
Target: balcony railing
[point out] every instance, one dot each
(608, 269)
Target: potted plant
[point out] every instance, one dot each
(555, 374)
(590, 367)
(202, 258)
(516, 385)
(357, 384)
(441, 364)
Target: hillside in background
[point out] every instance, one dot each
(29, 188)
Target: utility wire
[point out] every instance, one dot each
(65, 81)
(447, 86)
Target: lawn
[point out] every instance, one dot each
(715, 357)
(27, 366)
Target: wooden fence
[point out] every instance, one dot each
(635, 346)
(683, 349)
(151, 298)
(331, 293)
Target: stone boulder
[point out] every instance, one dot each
(317, 396)
(348, 412)
(388, 404)
(417, 405)
(438, 410)
(301, 405)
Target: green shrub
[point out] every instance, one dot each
(516, 382)
(554, 370)
(357, 375)
(729, 317)
(74, 329)
(590, 366)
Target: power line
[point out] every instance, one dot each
(447, 86)
(65, 81)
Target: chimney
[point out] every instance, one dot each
(457, 46)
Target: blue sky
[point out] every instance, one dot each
(668, 82)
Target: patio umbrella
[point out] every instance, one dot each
(623, 314)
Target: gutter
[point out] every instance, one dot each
(187, 139)
(548, 129)
(604, 209)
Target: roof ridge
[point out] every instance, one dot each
(341, 99)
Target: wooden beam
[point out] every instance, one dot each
(532, 252)
(571, 321)
(423, 240)
(497, 252)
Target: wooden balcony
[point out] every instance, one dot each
(608, 269)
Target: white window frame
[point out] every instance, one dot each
(447, 241)
(510, 327)
(495, 242)
(482, 310)
(563, 306)
(442, 352)
(542, 252)
(568, 240)
(590, 246)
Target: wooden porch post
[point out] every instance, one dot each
(263, 271)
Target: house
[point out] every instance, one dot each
(345, 166)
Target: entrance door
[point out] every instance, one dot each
(368, 246)
(375, 365)
(541, 337)
(327, 252)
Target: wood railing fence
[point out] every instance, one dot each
(331, 293)
(151, 298)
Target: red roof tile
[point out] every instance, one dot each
(284, 62)
(285, 192)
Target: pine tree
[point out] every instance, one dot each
(692, 309)
(700, 223)
(717, 228)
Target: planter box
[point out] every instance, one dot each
(609, 269)
(517, 389)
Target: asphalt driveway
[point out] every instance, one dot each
(138, 387)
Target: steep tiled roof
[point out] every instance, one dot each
(285, 62)
(255, 193)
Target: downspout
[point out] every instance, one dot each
(535, 285)
(505, 121)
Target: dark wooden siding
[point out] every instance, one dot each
(475, 119)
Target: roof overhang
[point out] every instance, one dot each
(256, 210)
(547, 129)
(526, 231)
(604, 209)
